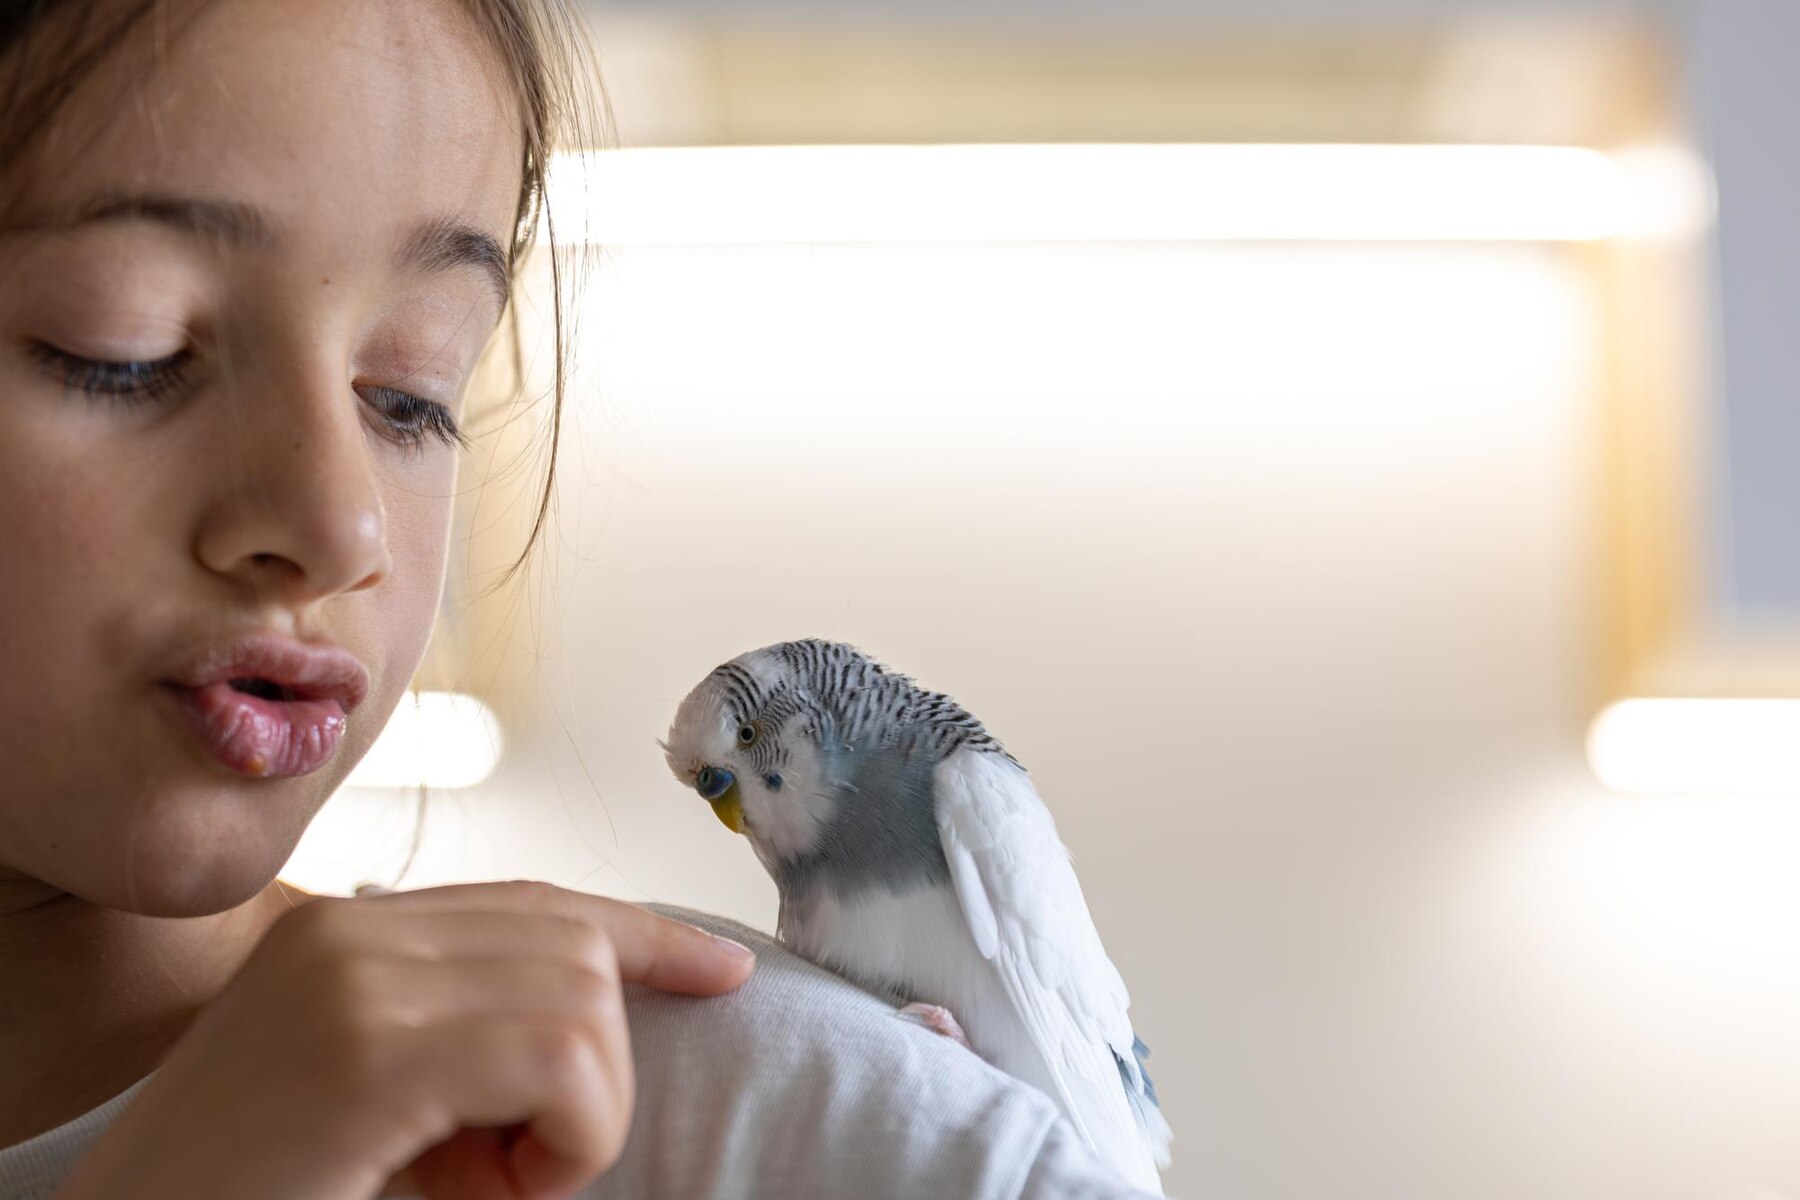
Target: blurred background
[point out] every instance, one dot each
(1345, 448)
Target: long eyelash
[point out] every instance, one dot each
(120, 382)
(411, 419)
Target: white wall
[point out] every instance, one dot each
(1128, 10)
(1275, 566)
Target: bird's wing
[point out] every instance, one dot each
(1025, 909)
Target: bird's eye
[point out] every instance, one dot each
(746, 733)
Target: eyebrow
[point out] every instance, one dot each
(223, 221)
(439, 244)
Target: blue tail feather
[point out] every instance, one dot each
(1142, 1095)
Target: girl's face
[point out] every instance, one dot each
(248, 275)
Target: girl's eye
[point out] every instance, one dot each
(135, 382)
(410, 420)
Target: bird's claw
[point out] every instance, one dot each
(937, 1019)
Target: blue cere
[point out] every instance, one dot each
(712, 782)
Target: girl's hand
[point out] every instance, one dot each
(466, 1042)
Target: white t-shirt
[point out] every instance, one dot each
(796, 1085)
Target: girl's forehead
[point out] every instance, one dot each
(343, 122)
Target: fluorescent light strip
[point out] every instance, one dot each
(1057, 193)
(1698, 745)
(434, 739)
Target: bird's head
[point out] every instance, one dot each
(740, 740)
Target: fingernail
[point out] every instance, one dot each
(735, 949)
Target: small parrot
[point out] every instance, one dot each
(914, 857)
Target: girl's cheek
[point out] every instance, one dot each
(409, 599)
(81, 503)
(418, 524)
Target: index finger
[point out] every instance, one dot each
(653, 950)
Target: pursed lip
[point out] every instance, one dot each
(267, 706)
(310, 672)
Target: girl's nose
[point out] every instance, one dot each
(298, 513)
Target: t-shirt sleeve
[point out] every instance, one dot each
(801, 1085)
(1065, 1169)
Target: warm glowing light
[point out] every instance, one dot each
(1669, 192)
(1014, 193)
(1698, 745)
(1089, 360)
(434, 739)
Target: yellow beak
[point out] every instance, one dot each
(729, 808)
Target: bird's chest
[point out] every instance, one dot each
(914, 944)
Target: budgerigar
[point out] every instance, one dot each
(914, 856)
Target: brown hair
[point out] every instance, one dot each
(48, 48)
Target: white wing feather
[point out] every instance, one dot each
(1025, 909)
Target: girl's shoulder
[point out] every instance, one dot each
(802, 1084)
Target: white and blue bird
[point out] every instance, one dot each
(914, 856)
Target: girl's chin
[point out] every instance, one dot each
(192, 856)
(201, 893)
